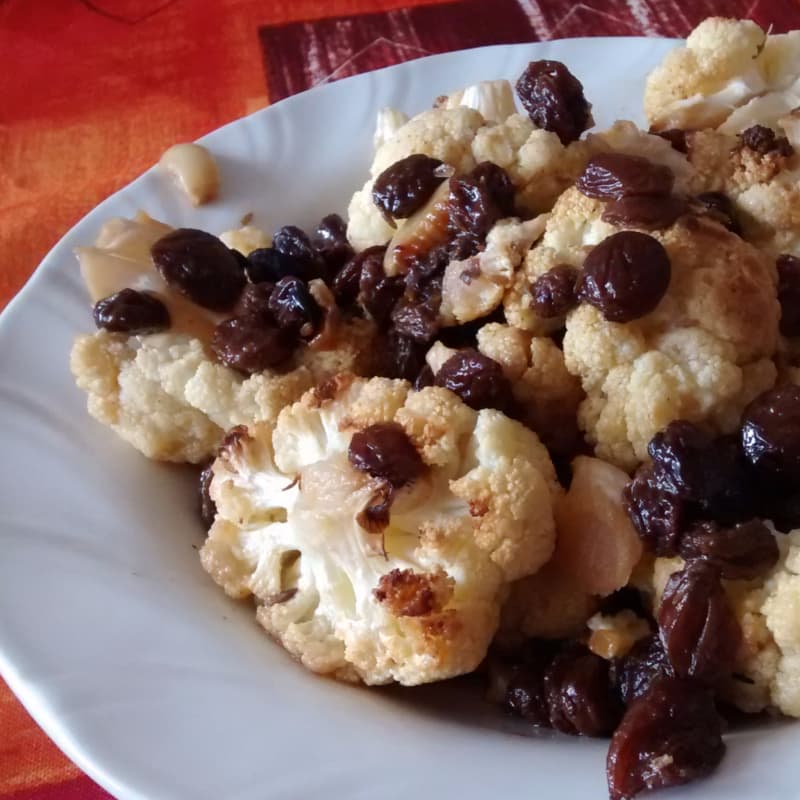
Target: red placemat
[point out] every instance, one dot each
(93, 91)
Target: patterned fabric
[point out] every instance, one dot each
(94, 90)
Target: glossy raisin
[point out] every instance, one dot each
(294, 243)
(345, 283)
(200, 267)
(763, 140)
(385, 451)
(267, 265)
(208, 508)
(294, 308)
(247, 345)
(719, 206)
(254, 301)
(625, 276)
(650, 212)
(579, 694)
(418, 317)
(553, 293)
(644, 663)
(698, 627)
(554, 99)
(741, 552)
(612, 176)
(680, 459)
(770, 433)
(129, 311)
(399, 356)
(407, 185)
(378, 292)
(669, 736)
(676, 137)
(331, 245)
(478, 200)
(658, 516)
(477, 379)
(524, 693)
(789, 294)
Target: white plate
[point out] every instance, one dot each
(112, 635)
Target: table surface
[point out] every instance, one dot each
(93, 91)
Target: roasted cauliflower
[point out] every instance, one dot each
(364, 576)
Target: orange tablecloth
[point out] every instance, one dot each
(92, 92)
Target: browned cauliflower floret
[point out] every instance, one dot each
(701, 355)
(418, 597)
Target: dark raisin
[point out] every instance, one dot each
(658, 516)
(424, 379)
(680, 459)
(376, 515)
(742, 552)
(789, 294)
(399, 357)
(719, 206)
(676, 137)
(267, 265)
(200, 267)
(625, 276)
(763, 140)
(524, 695)
(331, 244)
(770, 433)
(554, 100)
(291, 241)
(385, 451)
(407, 185)
(466, 334)
(554, 291)
(651, 212)
(698, 627)
(254, 301)
(294, 308)
(644, 663)
(730, 495)
(478, 200)
(579, 694)
(377, 291)
(208, 508)
(418, 317)
(612, 176)
(781, 507)
(129, 311)
(477, 379)
(669, 736)
(345, 283)
(247, 345)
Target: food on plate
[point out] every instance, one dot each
(194, 170)
(532, 408)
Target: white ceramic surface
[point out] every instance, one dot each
(111, 634)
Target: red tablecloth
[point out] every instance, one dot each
(93, 91)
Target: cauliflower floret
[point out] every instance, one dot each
(387, 123)
(493, 99)
(418, 600)
(702, 354)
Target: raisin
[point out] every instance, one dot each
(730, 494)
(477, 379)
(698, 628)
(770, 433)
(625, 276)
(763, 140)
(406, 185)
(742, 552)
(651, 212)
(658, 516)
(680, 459)
(579, 694)
(331, 245)
(781, 507)
(418, 317)
(478, 200)
(644, 663)
(208, 508)
(400, 357)
(267, 265)
(294, 243)
(378, 292)
(247, 345)
(789, 294)
(669, 736)
(385, 451)
(200, 267)
(612, 176)
(554, 291)
(254, 301)
(525, 694)
(424, 379)
(676, 137)
(719, 206)
(129, 311)
(554, 100)
(294, 308)
(345, 284)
